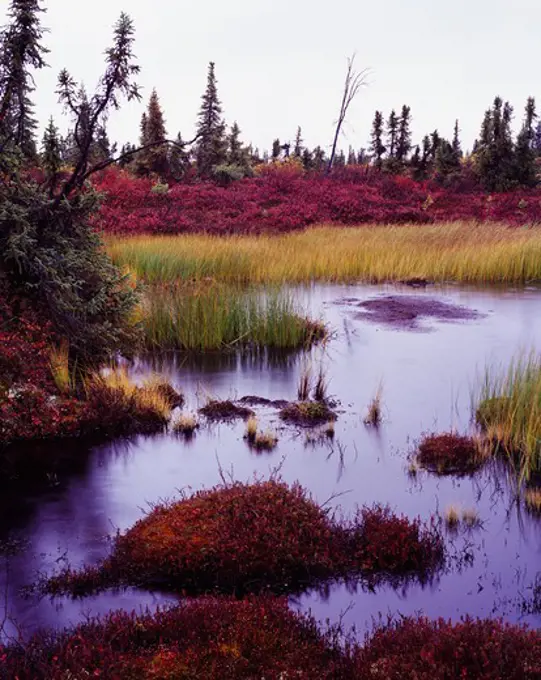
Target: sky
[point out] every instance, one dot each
(281, 63)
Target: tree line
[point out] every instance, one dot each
(497, 162)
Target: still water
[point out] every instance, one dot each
(428, 371)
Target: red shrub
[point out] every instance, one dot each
(225, 639)
(439, 650)
(266, 535)
(285, 200)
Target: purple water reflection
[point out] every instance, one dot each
(427, 384)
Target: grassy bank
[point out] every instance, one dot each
(218, 317)
(460, 251)
(509, 410)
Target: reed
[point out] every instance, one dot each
(223, 317)
(459, 251)
(509, 411)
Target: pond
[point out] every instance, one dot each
(427, 366)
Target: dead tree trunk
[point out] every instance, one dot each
(352, 84)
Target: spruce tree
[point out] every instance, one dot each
(525, 172)
(21, 52)
(236, 154)
(352, 156)
(178, 159)
(276, 150)
(319, 160)
(297, 147)
(404, 136)
(51, 156)
(143, 130)
(376, 140)
(307, 159)
(392, 134)
(154, 159)
(457, 148)
(211, 148)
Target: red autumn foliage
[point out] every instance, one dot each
(439, 650)
(281, 201)
(227, 639)
(254, 537)
(449, 454)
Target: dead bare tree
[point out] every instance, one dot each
(352, 84)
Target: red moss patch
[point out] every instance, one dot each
(449, 454)
(211, 638)
(226, 639)
(267, 535)
(439, 650)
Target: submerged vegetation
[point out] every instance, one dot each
(262, 536)
(509, 411)
(461, 252)
(221, 318)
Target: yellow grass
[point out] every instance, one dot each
(463, 252)
(149, 396)
(59, 363)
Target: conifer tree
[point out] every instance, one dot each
(377, 147)
(236, 154)
(404, 135)
(143, 130)
(51, 150)
(21, 52)
(211, 148)
(457, 148)
(392, 134)
(307, 159)
(318, 159)
(297, 147)
(155, 158)
(178, 159)
(524, 153)
(276, 150)
(352, 156)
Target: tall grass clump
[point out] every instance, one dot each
(459, 251)
(217, 318)
(509, 411)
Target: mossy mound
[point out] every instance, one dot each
(225, 410)
(247, 538)
(450, 454)
(307, 413)
(260, 637)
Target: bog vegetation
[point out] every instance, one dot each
(461, 252)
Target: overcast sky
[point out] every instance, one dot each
(281, 63)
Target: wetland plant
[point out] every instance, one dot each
(307, 413)
(215, 409)
(374, 414)
(213, 317)
(185, 424)
(224, 637)
(305, 383)
(509, 412)
(450, 454)
(263, 536)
